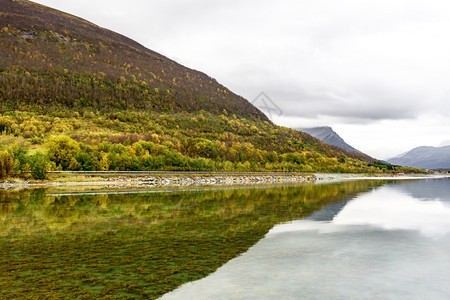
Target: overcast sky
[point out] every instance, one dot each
(377, 71)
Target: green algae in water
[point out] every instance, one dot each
(139, 245)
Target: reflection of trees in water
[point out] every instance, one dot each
(275, 203)
(439, 188)
(140, 245)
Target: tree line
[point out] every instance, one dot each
(134, 141)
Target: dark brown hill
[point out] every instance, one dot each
(62, 75)
(49, 58)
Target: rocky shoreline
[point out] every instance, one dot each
(167, 180)
(125, 180)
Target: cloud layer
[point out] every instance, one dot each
(351, 62)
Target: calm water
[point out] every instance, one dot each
(84, 244)
(392, 242)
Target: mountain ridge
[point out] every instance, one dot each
(424, 157)
(327, 135)
(48, 43)
(74, 96)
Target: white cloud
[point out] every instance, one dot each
(369, 67)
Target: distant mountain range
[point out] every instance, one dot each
(424, 157)
(327, 135)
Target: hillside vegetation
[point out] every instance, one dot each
(74, 96)
(56, 60)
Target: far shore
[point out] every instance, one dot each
(186, 179)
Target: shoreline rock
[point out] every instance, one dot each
(167, 180)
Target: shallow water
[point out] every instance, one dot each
(59, 244)
(392, 242)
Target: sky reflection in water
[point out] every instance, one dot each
(390, 243)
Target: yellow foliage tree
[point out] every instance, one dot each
(6, 163)
(61, 150)
(103, 165)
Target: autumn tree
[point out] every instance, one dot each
(6, 163)
(62, 149)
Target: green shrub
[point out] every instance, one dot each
(39, 166)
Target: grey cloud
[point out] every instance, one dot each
(351, 107)
(313, 58)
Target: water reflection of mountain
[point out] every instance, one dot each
(422, 189)
(140, 245)
(329, 212)
(389, 243)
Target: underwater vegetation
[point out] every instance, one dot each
(140, 244)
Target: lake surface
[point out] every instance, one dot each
(391, 242)
(252, 241)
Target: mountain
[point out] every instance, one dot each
(75, 96)
(328, 135)
(51, 58)
(424, 157)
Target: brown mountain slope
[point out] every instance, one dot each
(71, 62)
(61, 75)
